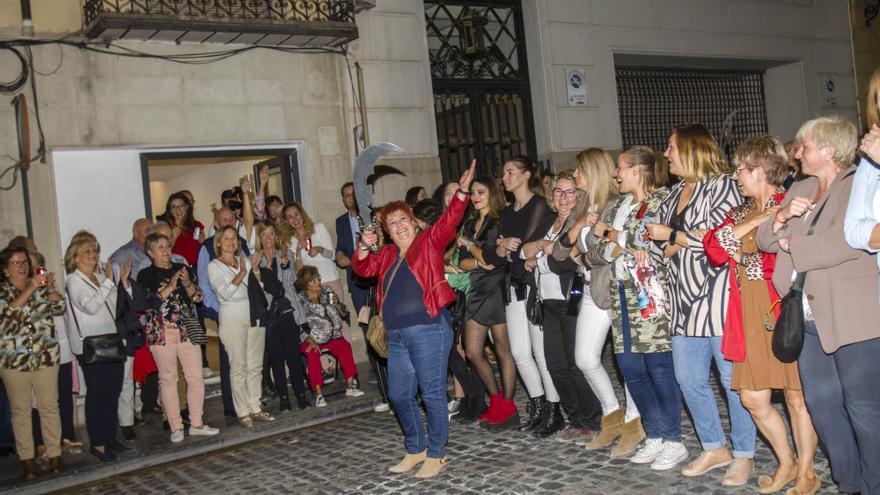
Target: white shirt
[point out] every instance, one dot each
(549, 286)
(325, 261)
(232, 297)
(92, 306)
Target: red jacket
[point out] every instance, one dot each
(425, 259)
(733, 344)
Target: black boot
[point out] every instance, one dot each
(473, 408)
(553, 421)
(284, 404)
(536, 409)
(302, 402)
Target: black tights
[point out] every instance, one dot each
(475, 342)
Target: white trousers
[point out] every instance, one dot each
(125, 407)
(593, 324)
(244, 345)
(527, 348)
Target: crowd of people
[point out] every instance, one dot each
(763, 268)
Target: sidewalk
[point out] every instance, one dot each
(153, 446)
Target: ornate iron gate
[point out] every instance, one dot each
(481, 83)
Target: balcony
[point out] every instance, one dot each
(289, 23)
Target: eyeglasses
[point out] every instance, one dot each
(20, 263)
(565, 192)
(175, 206)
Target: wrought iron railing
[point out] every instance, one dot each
(323, 11)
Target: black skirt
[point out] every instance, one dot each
(485, 302)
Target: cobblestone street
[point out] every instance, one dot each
(351, 456)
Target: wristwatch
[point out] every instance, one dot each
(672, 237)
(606, 232)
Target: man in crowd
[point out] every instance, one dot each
(347, 234)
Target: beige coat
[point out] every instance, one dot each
(841, 285)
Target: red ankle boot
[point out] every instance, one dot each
(507, 416)
(492, 411)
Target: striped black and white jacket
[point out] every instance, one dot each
(698, 290)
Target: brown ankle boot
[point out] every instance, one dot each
(28, 468)
(55, 464)
(409, 461)
(612, 425)
(432, 467)
(631, 435)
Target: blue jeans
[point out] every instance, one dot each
(843, 396)
(651, 381)
(417, 361)
(692, 357)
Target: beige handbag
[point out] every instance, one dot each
(376, 334)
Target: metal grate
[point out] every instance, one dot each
(654, 100)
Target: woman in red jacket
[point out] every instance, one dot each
(761, 169)
(411, 282)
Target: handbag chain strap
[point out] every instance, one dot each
(388, 286)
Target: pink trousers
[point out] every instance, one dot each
(190, 357)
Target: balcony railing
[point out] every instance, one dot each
(310, 23)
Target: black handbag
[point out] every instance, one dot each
(535, 305)
(788, 333)
(99, 349)
(575, 293)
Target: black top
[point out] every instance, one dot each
(524, 224)
(154, 279)
(404, 304)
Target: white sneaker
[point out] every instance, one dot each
(207, 372)
(320, 402)
(381, 407)
(673, 454)
(203, 431)
(177, 436)
(652, 449)
(453, 406)
(353, 392)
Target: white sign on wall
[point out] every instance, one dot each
(576, 84)
(829, 91)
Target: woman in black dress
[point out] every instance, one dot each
(484, 308)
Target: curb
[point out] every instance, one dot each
(78, 478)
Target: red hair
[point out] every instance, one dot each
(394, 207)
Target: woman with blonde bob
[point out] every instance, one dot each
(838, 363)
(761, 171)
(594, 178)
(698, 293)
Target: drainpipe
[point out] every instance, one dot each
(362, 94)
(27, 23)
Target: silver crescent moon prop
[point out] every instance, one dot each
(364, 167)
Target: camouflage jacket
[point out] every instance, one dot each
(646, 335)
(27, 333)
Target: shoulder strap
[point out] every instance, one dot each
(388, 285)
(73, 312)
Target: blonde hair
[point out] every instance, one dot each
(873, 109)
(766, 152)
(833, 131)
(597, 166)
(264, 225)
(218, 236)
(286, 230)
(78, 240)
(699, 153)
(653, 170)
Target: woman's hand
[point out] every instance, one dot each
(531, 263)
(658, 231)
(258, 255)
(242, 265)
(591, 219)
(797, 207)
(641, 257)
(311, 344)
(785, 244)
(765, 215)
(482, 264)
(264, 177)
(871, 144)
(548, 247)
(315, 251)
(450, 268)
(183, 276)
(125, 273)
(510, 244)
(465, 182)
(369, 238)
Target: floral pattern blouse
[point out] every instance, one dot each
(27, 333)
